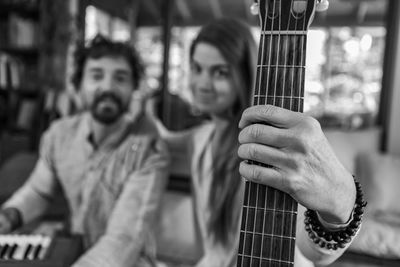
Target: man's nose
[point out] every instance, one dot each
(108, 84)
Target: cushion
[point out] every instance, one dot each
(379, 175)
(348, 144)
(379, 236)
(177, 240)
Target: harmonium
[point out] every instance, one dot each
(39, 250)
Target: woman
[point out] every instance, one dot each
(222, 61)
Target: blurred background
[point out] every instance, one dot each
(345, 57)
(352, 87)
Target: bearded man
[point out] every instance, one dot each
(112, 167)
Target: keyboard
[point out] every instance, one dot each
(39, 251)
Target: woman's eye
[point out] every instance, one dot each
(221, 73)
(195, 68)
(97, 76)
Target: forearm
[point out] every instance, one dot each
(33, 198)
(28, 202)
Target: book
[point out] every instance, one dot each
(26, 114)
(23, 32)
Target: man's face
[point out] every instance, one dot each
(106, 88)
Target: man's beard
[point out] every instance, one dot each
(107, 107)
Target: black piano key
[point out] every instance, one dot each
(36, 252)
(13, 248)
(4, 251)
(27, 251)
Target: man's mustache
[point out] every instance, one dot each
(107, 95)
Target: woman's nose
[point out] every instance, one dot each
(204, 81)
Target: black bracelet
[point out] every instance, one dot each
(338, 238)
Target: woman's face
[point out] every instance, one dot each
(211, 81)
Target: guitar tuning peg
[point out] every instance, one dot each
(322, 5)
(254, 8)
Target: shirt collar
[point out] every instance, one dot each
(111, 140)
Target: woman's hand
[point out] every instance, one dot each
(302, 162)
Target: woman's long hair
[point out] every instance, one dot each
(235, 42)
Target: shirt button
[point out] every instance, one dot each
(135, 147)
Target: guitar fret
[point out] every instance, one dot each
(267, 260)
(266, 246)
(283, 50)
(280, 96)
(280, 66)
(268, 227)
(272, 210)
(270, 235)
(282, 82)
(294, 104)
(246, 261)
(288, 33)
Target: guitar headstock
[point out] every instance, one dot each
(287, 15)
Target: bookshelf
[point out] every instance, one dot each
(21, 96)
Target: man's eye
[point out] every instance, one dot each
(121, 78)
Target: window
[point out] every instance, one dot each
(343, 77)
(98, 21)
(343, 70)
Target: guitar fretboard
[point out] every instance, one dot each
(268, 229)
(281, 71)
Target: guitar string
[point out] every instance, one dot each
(248, 184)
(258, 100)
(261, 59)
(260, 85)
(277, 193)
(283, 101)
(300, 92)
(293, 72)
(268, 189)
(303, 63)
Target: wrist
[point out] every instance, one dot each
(334, 225)
(343, 208)
(14, 217)
(334, 236)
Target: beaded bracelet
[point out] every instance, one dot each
(337, 238)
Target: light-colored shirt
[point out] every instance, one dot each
(113, 190)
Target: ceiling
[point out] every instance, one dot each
(197, 12)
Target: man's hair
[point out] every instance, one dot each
(101, 47)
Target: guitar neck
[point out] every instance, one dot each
(268, 229)
(281, 71)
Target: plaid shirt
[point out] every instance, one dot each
(113, 190)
